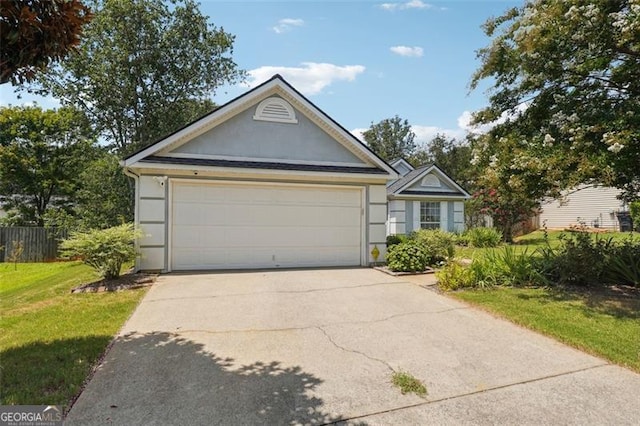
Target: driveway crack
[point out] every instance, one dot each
(309, 327)
(342, 348)
(311, 290)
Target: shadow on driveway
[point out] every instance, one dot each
(160, 378)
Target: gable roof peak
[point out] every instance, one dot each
(254, 96)
(414, 175)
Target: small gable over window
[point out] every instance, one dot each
(277, 110)
(431, 181)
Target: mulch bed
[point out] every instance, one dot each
(399, 274)
(126, 281)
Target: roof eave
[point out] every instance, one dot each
(219, 170)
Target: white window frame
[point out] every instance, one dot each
(427, 217)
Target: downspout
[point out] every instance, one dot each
(136, 221)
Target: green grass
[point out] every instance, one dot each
(534, 240)
(50, 338)
(600, 324)
(408, 384)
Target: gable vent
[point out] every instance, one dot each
(431, 180)
(277, 110)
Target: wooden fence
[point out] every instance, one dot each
(39, 244)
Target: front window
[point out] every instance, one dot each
(429, 215)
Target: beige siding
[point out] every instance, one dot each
(152, 220)
(589, 204)
(377, 218)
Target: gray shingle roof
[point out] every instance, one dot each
(391, 189)
(261, 165)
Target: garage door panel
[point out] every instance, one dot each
(187, 214)
(225, 226)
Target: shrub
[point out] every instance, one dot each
(105, 250)
(580, 259)
(439, 245)
(408, 256)
(455, 276)
(484, 237)
(392, 240)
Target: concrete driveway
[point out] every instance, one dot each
(320, 346)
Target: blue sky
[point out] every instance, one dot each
(359, 61)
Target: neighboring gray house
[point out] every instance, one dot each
(267, 180)
(424, 198)
(596, 206)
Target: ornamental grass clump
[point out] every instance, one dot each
(484, 237)
(105, 250)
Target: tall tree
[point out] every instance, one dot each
(507, 183)
(34, 33)
(566, 76)
(451, 155)
(391, 138)
(101, 198)
(144, 69)
(42, 152)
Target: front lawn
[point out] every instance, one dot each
(50, 338)
(597, 322)
(534, 240)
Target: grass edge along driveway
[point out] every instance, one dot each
(605, 326)
(49, 338)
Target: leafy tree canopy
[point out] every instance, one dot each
(565, 93)
(391, 138)
(102, 198)
(451, 155)
(144, 69)
(42, 153)
(34, 33)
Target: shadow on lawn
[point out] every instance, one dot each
(48, 373)
(596, 300)
(160, 378)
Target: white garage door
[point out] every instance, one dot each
(228, 225)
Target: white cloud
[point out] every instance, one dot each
(310, 78)
(358, 133)
(464, 120)
(412, 4)
(287, 24)
(424, 134)
(414, 51)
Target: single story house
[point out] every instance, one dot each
(424, 197)
(267, 180)
(596, 206)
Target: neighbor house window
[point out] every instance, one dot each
(429, 215)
